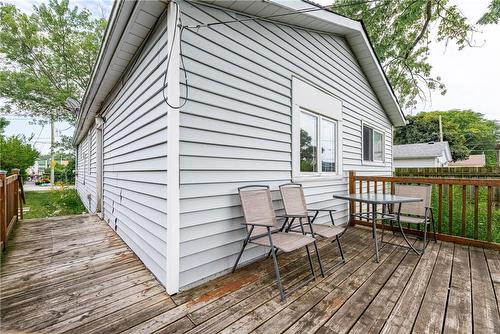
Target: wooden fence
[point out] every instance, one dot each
(456, 172)
(11, 203)
(385, 184)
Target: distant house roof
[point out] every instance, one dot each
(475, 160)
(131, 22)
(422, 150)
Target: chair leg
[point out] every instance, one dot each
(245, 243)
(315, 246)
(425, 238)
(433, 227)
(276, 268)
(311, 267)
(340, 248)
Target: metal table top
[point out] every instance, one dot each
(373, 198)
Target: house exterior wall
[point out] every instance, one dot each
(135, 155)
(440, 161)
(86, 171)
(236, 127)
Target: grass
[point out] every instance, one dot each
(53, 203)
(456, 228)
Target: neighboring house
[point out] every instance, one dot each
(41, 165)
(434, 154)
(260, 96)
(474, 160)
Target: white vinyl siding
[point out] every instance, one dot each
(86, 176)
(135, 156)
(236, 127)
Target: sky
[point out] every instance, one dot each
(471, 75)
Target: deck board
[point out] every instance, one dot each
(75, 275)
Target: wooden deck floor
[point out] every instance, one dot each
(75, 275)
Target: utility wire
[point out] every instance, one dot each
(299, 11)
(253, 18)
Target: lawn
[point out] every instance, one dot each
(457, 213)
(53, 203)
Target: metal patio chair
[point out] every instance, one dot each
(295, 206)
(418, 213)
(263, 229)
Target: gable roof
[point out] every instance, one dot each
(422, 150)
(475, 160)
(133, 21)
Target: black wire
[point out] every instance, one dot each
(182, 27)
(299, 11)
(169, 55)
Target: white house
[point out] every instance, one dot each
(190, 100)
(434, 154)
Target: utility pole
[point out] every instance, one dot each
(52, 144)
(440, 129)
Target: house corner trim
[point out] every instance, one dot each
(173, 184)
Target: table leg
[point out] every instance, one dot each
(374, 219)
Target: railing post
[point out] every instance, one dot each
(3, 209)
(17, 198)
(352, 190)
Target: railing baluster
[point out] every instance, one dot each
(450, 209)
(489, 214)
(464, 208)
(440, 207)
(360, 191)
(476, 211)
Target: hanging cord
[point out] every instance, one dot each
(264, 18)
(254, 18)
(169, 55)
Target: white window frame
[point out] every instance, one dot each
(380, 131)
(309, 98)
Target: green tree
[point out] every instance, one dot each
(46, 57)
(16, 152)
(3, 124)
(492, 16)
(466, 131)
(401, 34)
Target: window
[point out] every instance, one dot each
(317, 130)
(373, 145)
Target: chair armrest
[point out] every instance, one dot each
(294, 216)
(263, 223)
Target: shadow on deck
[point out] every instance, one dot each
(75, 274)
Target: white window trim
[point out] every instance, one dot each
(383, 133)
(314, 100)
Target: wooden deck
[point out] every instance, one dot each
(74, 274)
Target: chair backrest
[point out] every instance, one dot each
(293, 198)
(415, 208)
(257, 205)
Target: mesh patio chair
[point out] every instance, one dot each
(263, 229)
(418, 213)
(295, 206)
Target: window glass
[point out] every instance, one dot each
(327, 145)
(367, 144)
(377, 146)
(373, 144)
(308, 142)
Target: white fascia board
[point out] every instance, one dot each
(173, 188)
(118, 21)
